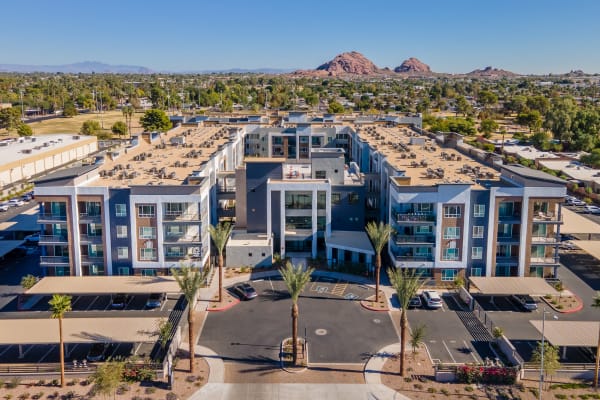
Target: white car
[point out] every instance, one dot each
(16, 202)
(432, 299)
(4, 207)
(591, 210)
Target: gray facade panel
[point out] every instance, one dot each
(346, 216)
(479, 197)
(257, 175)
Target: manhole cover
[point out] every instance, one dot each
(321, 332)
(377, 321)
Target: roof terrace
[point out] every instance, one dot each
(422, 160)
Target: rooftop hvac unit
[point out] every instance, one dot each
(76, 137)
(26, 151)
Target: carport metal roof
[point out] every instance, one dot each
(104, 285)
(507, 285)
(79, 330)
(592, 247)
(575, 223)
(6, 246)
(569, 333)
(350, 240)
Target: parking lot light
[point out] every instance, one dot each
(544, 312)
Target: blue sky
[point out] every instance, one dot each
(526, 36)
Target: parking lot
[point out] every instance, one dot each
(337, 328)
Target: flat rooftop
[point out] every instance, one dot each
(422, 159)
(508, 285)
(569, 333)
(162, 162)
(18, 149)
(243, 238)
(573, 169)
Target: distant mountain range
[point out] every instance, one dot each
(86, 67)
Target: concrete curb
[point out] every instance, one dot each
(223, 308)
(571, 311)
(367, 307)
(374, 366)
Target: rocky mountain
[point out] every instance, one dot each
(349, 63)
(86, 67)
(489, 72)
(413, 66)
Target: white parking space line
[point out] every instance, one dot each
(108, 305)
(92, 303)
(271, 282)
(472, 352)
(48, 352)
(116, 348)
(137, 348)
(8, 348)
(449, 352)
(164, 303)
(75, 302)
(28, 350)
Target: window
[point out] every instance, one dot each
(336, 198)
(94, 230)
(475, 271)
(174, 230)
(122, 253)
(451, 211)
(303, 139)
(450, 254)
(121, 231)
(423, 207)
(146, 210)
(120, 210)
(423, 229)
(479, 210)
(477, 232)
(452, 232)
(123, 271)
(320, 174)
(147, 232)
(174, 208)
(448, 274)
(476, 253)
(147, 254)
(321, 200)
(353, 198)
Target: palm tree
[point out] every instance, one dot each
(219, 234)
(596, 304)
(190, 280)
(295, 279)
(379, 235)
(128, 112)
(406, 283)
(417, 337)
(59, 305)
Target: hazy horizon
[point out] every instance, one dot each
(524, 37)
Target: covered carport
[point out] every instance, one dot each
(509, 285)
(568, 333)
(6, 246)
(575, 224)
(592, 247)
(82, 285)
(78, 330)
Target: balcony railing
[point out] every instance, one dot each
(415, 238)
(512, 238)
(91, 238)
(544, 239)
(547, 217)
(87, 260)
(226, 189)
(181, 217)
(501, 259)
(414, 258)
(43, 218)
(90, 217)
(510, 217)
(54, 260)
(52, 239)
(182, 238)
(415, 217)
(543, 260)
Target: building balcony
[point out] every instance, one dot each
(93, 239)
(546, 218)
(50, 218)
(415, 258)
(509, 239)
(415, 217)
(53, 239)
(544, 240)
(512, 218)
(181, 217)
(503, 260)
(88, 260)
(182, 239)
(543, 260)
(414, 261)
(226, 189)
(414, 239)
(54, 261)
(90, 218)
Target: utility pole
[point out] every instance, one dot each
(22, 110)
(101, 118)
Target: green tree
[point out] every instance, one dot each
(463, 106)
(59, 305)
(24, 130)
(551, 358)
(335, 108)
(190, 280)
(592, 159)
(107, 377)
(119, 128)
(379, 235)
(28, 281)
(487, 98)
(531, 119)
(220, 234)
(128, 112)
(405, 283)
(227, 105)
(488, 126)
(560, 118)
(164, 332)
(10, 118)
(90, 127)
(69, 109)
(295, 279)
(417, 337)
(596, 305)
(155, 120)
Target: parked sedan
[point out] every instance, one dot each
(432, 299)
(97, 352)
(415, 302)
(591, 210)
(155, 300)
(119, 301)
(16, 202)
(245, 291)
(526, 302)
(4, 207)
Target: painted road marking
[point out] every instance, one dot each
(339, 289)
(471, 352)
(449, 352)
(351, 296)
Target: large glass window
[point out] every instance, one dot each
(505, 209)
(336, 198)
(448, 274)
(451, 211)
(452, 232)
(174, 208)
(147, 232)
(122, 253)
(295, 200)
(423, 207)
(146, 210)
(320, 174)
(450, 254)
(147, 254)
(477, 232)
(120, 210)
(479, 210)
(121, 231)
(94, 230)
(321, 200)
(476, 253)
(298, 222)
(353, 198)
(95, 250)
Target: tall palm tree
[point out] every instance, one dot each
(59, 305)
(295, 279)
(219, 234)
(379, 235)
(596, 304)
(190, 280)
(406, 283)
(128, 112)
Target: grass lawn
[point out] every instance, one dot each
(73, 125)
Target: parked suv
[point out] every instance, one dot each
(432, 299)
(526, 301)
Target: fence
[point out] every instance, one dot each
(481, 315)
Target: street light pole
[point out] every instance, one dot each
(22, 110)
(101, 118)
(542, 356)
